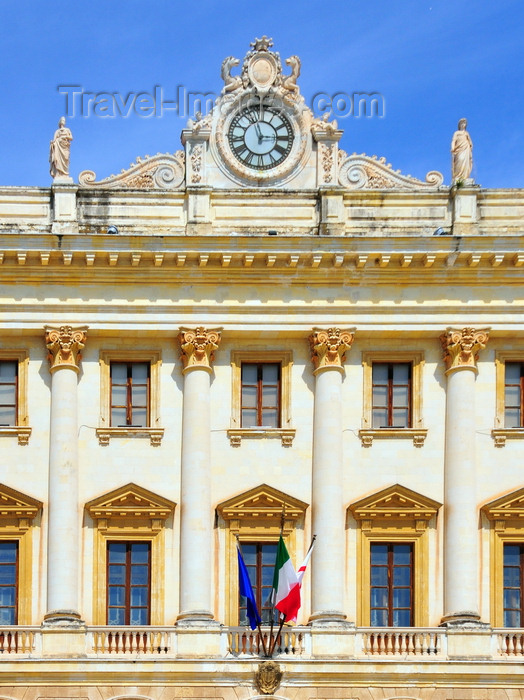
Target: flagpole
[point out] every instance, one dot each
(272, 646)
(258, 623)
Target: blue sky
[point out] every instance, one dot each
(432, 61)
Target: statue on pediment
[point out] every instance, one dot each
(461, 153)
(59, 151)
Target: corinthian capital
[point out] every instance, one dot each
(198, 346)
(328, 347)
(64, 345)
(461, 346)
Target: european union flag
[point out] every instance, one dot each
(245, 589)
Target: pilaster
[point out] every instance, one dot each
(64, 210)
(464, 209)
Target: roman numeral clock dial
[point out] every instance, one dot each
(260, 137)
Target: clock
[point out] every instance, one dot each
(260, 136)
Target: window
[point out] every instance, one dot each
(130, 394)
(261, 396)
(8, 582)
(513, 585)
(259, 559)
(391, 585)
(513, 394)
(509, 407)
(128, 583)
(13, 395)
(392, 397)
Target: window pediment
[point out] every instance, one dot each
(14, 504)
(506, 508)
(262, 503)
(130, 501)
(395, 503)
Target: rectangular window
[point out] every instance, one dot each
(260, 563)
(8, 582)
(513, 585)
(514, 395)
(130, 394)
(391, 395)
(391, 579)
(8, 393)
(260, 395)
(128, 583)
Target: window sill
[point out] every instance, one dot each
(418, 435)
(105, 434)
(22, 433)
(500, 435)
(286, 435)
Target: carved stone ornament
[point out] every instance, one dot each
(362, 172)
(461, 346)
(328, 347)
(198, 346)
(268, 677)
(64, 345)
(165, 171)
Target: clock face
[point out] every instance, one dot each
(260, 137)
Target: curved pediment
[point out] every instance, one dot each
(362, 172)
(130, 501)
(164, 171)
(395, 503)
(507, 507)
(262, 503)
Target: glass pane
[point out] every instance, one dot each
(270, 373)
(140, 552)
(117, 595)
(513, 372)
(249, 396)
(7, 616)
(249, 374)
(250, 553)
(512, 418)
(8, 551)
(117, 574)
(401, 373)
(267, 575)
(139, 575)
(139, 597)
(402, 576)
(138, 616)
(117, 552)
(269, 553)
(242, 617)
(380, 373)
(400, 396)
(118, 395)
(139, 417)
(269, 395)
(7, 574)
(380, 396)
(139, 372)
(512, 396)
(511, 576)
(116, 616)
(512, 598)
(400, 417)
(401, 597)
(139, 395)
(7, 416)
(379, 554)
(270, 418)
(7, 394)
(379, 576)
(7, 595)
(7, 371)
(511, 618)
(119, 372)
(380, 418)
(401, 618)
(249, 418)
(118, 417)
(402, 554)
(379, 597)
(379, 618)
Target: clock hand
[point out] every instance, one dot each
(259, 132)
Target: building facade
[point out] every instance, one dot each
(261, 334)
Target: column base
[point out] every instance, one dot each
(329, 618)
(63, 618)
(463, 618)
(196, 618)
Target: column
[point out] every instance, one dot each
(461, 516)
(328, 350)
(64, 345)
(196, 514)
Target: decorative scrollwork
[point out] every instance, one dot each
(164, 171)
(369, 172)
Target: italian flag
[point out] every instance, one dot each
(286, 584)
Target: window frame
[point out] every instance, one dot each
(416, 432)
(390, 582)
(128, 585)
(500, 433)
(521, 583)
(129, 406)
(236, 432)
(258, 586)
(105, 432)
(21, 429)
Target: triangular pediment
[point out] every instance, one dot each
(14, 504)
(507, 507)
(130, 501)
(395, 502)
(263, 502)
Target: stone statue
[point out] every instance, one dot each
(461, 153)
(59, 151)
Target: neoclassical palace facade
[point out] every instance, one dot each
(261, 333)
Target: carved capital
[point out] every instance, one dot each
(64, 345)
(198, 346)
(328, 347)
(461, 346)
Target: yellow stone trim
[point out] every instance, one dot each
(21, 429)
(285, 358)
(130, 513)
(500, 433)
(416, 359)
(155, 362)
(395, 514)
